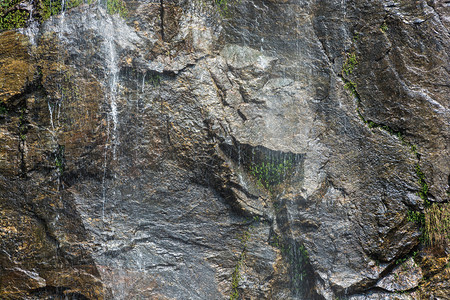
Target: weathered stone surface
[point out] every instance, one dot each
(403, 277)
(187, 152)
(16, 66)
(437, 271)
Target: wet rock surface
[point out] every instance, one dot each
(188, 151)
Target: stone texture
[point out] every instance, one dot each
(405, 276)
(130, 150)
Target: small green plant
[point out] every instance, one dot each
(351, 86)
(59, 159)
(59, 165)
(384, 27)
(416, 217)
(48, 8)
(276, 241)
(350, 64)
(235, 278)
(22, 125)
(271, 173)
(423, 193)
(400, 260)
(117, 7)
(303, 252)
(236, 275)
(8, 3)
(371, 124)
(11, 16)
(13, 19)
(222, 6)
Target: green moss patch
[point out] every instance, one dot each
(271, 173)
(117, 7)
(350, 63)
(13, 19)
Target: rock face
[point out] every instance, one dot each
(252, 149)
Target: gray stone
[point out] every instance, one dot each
(187, 152)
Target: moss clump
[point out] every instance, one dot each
(6, 4)
(236, 275)
(23, 125)
(222, 7)
(350, 64)
(13, 19)
(423, 193)
(116, 7)
(351, 86)
(416, 217)
(384, 27)
(271, 173)
(59, 159)
(48, 8)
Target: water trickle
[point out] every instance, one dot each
(61, 19)
(32, 28)
(344, 6)
(107, 29)
(51, 116)
(143, 83)
(105, 157)
(59, 110)
(113, 71)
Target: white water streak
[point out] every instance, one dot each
(51, 115)
(113, 71)
(112, 77)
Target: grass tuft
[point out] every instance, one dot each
(437, 225)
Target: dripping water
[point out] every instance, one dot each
(112, 119)
(51, 117)
(32, 28)
(113, 71)
(143, 83)
(105, 158)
